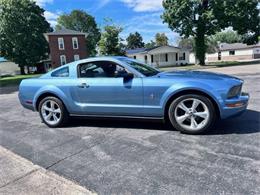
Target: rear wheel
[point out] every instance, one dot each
(52, 112)
(192, 114)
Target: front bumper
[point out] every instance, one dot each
(235, 106)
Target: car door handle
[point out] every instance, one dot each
(83, 85)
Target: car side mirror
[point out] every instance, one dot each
(125, 75)
(128, 76)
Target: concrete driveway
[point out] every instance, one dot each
(133, 157)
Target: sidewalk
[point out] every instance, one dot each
(20, 176)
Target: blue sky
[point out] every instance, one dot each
(133, 15)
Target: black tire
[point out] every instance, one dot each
(64, 116)
(207, 125)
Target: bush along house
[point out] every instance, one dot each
(66, 46)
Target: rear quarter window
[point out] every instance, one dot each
(63, 72)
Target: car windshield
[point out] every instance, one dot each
(142, 68)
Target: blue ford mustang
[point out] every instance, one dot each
(122, 87)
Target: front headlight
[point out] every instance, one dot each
(234, 91)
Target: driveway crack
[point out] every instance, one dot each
(19, 178)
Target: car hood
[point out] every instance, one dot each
(198, 75)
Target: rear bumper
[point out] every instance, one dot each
(235, 106)
(26, 103)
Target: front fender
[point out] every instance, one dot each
(215, 94)
(53, 90)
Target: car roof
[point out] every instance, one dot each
(112, 58)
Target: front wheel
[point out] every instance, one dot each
(52, 112)
(192, 114)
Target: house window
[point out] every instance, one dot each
(75, 43)
(166, 57)
(176, 56)
(62, 59)
(184, 56)
(61, 43)
(145, 58)
(134, 57)
(76, 57)
(219, 55)
(152, 58)
(232, 53)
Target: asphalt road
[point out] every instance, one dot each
(132, 157)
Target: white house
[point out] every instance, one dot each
(160, 56)
(235, 52)
(232, 52)
(8, 68)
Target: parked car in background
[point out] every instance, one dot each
(123, 87)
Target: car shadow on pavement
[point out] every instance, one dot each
(119, 123)
(247, 123)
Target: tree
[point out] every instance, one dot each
(81, 21)
(134, 41)
(110, 42)
(161, 39)
(228, 36)
(22, 25)
(203, 18)
(150, 44)
(187, 43)
(212, 41)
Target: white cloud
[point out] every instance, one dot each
(103, 3)
(51, 17)
(144, 5)
(43, 2)
(148, 25)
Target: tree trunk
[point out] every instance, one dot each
(28, 70)
(200, 48)
(22, 70)
(200, 45)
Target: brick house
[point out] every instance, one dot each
(66, 46)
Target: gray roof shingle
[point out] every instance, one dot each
(236, 46)
(65, 31)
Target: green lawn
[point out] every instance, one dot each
(15, 80)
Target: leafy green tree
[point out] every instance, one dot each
(229, 36)
(81, 21)
(187, 43)
(150, 44)
(212, 41)
(161, 39)
(110, 42)
(201, 18)
(134, 41)
(22, 26)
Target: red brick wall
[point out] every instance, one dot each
(69, 52)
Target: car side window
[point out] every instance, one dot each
(63, 72)
(100, 69)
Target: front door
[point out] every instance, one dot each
(100, 90)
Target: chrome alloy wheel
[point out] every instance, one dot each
(51, 112)
(192, 114)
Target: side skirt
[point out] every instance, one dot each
(123, 117)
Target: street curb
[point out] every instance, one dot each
(42, 172)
